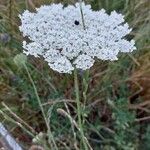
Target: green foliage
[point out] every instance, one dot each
(123, 126)
(109, 5)
(146, 138)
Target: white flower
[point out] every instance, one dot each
(57, 34)
(33, 48)
(84, 62)
(62, 65)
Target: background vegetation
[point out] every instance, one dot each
(117, 112)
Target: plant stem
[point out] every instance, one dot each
(50, 137)
(81, 11)
(85, 85)
(16, 123)
(79, 108)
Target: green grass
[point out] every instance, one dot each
(113, 116)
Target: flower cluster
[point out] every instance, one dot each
(59, 36)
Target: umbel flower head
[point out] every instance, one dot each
(57, 34)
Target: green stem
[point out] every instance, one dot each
(50, 137)
(82, 16)
(79, 108)
(85, 85)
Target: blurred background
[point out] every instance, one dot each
(118, 106)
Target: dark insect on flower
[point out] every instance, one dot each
(76, 22)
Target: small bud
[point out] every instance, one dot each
(20, 60)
